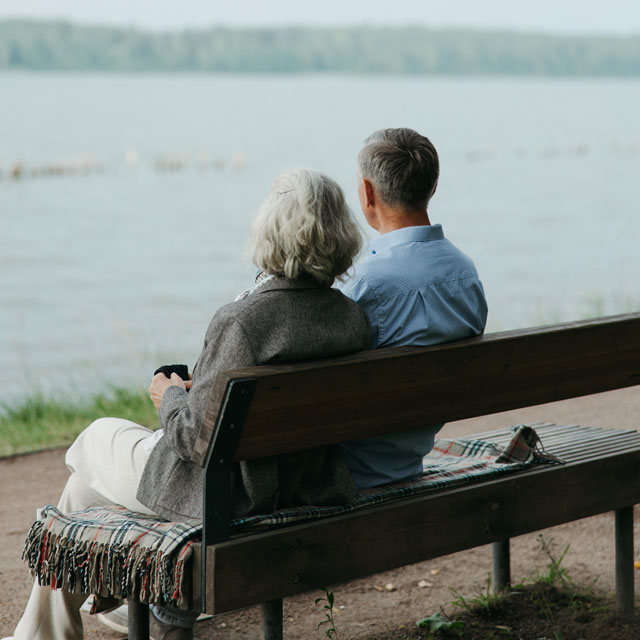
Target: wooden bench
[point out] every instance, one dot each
(278, 409)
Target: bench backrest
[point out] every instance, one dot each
(300, 406)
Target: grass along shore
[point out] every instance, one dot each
(40, 422)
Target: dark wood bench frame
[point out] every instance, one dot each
(278, 409)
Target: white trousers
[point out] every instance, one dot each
(106, 463)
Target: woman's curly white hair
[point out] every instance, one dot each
(304, 227)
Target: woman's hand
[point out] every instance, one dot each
(160, 383)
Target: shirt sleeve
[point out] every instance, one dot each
(182, 414)
(361, 290)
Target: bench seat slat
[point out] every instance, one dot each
(602, 454)
(550, 432)
(578, 442)
(559, 448)
(569, 445)
(504, 433)
(571, 441)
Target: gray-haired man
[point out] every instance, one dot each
(416, 287)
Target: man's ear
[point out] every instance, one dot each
(369, 192)
(435, 186)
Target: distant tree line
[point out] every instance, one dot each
(64, 46)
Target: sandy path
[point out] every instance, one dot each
(31, 481)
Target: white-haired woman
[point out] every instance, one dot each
(302, 238)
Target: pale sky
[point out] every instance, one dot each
(563, 16)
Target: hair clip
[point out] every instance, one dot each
(283, 192)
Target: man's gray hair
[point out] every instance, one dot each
(304, 227)
(402, 165)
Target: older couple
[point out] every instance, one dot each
(413, 287)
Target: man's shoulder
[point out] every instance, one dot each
(363, 279)
(411, 267)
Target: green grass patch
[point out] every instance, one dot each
(41, 422)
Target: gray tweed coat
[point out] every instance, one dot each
(282, 321)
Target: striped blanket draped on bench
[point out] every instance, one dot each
(113, 551)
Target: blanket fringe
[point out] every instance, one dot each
(117, 570)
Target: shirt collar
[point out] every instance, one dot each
(423, 233)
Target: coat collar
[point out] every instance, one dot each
(281, 283)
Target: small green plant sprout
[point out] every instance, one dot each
(485, 601)
(461, 602)
(330, 630)
(440, 623)
(557, 580)
(558, 574)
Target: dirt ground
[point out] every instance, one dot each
(364, 608)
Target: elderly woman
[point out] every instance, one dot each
(302, 238)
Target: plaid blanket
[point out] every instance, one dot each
(113, 551)
(450, 463)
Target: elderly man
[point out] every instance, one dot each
(416, 287)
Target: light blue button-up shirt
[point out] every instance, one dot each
(417, 289)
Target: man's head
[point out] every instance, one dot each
(398, 171)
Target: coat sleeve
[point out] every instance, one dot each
(181, 414)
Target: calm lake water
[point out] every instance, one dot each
(116, 265)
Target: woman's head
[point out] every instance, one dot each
(304, 227)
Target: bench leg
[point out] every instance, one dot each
(624, 560)
(271, 620)
(501, 565)
(138, 620)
